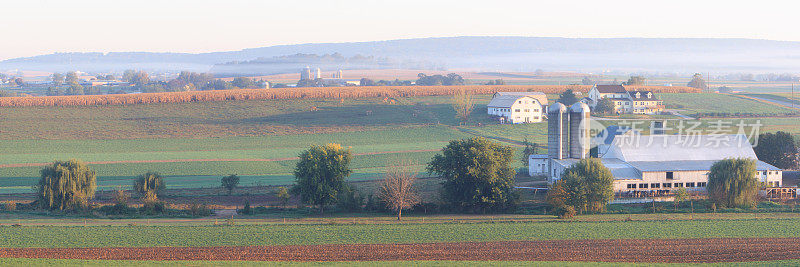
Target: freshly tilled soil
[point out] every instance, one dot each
(628, 250)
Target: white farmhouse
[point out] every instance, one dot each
(518, 107)
(636, 102)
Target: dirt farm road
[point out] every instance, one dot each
(627, 250)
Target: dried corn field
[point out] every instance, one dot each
(296, 93)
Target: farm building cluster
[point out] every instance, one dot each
(531, 107)
(642, 165)
(626, 102)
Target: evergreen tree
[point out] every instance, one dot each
(567, 98)
(778, 149)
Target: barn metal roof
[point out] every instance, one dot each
(620, 169)
(506, 101)
(664, 148)
(539, 96)
(688, 165)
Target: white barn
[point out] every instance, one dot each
(657, 164)
(518, 107)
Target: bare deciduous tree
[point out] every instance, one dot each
(463, 104)
(397, 189)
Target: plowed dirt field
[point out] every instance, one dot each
(628, 250)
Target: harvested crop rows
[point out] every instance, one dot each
(626, 250)
(295, 93)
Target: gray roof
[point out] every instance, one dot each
(643, 96)
(688, 165)
(506, 101)
(579, 107)
(556, 108)
(541, 97)
(679, 147)
(610, 88)
(612, 131)
(620, 169)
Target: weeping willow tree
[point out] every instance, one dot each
(733, 183)
(149, 185)
(66, 185)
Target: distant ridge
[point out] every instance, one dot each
(475, 52)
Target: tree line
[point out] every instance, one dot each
(477, 177)
(140, 81)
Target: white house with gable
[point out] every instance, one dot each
(518, 107)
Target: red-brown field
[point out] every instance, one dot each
(628, 250)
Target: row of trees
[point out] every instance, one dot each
(140, 80)
(477, 174)
(435, 80)
(69, 185)
(477, 177)
(188, 81)
(396, 82)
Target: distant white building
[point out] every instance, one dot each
(518, 107)
(636, 102)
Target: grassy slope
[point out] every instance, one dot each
(785, 97)
(226, 118)
(205, 174)
(705, 102)
(264, 130)
(136, 236)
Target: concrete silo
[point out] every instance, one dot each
(579, 130)
(305, 74)
(557, 132)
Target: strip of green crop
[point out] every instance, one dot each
(249, 235)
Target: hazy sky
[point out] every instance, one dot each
(33, 27)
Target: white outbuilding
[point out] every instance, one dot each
(518, 107)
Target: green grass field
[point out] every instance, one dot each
(61, 262)
(207, 173)
(225, 135)
(300, 234)
(228, 118)
(717, 103)
(784, 97)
